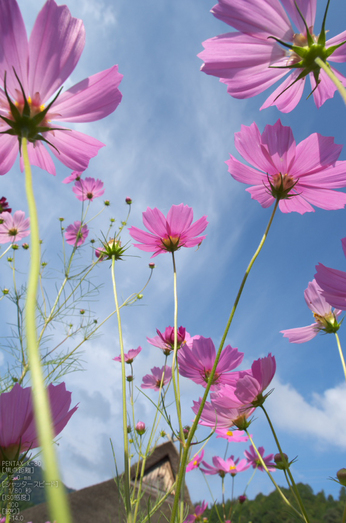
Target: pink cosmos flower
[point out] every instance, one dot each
(13, 227)
(4, 208)
(165, 341)
(248, 389)
(253, 460)
(192, 518)
(75, 176)
(129, 356)
(171, 233)
(333, 283)
(297, 175)
(158, 379)
(231, 436)
(325, 316)
(196, 362)
(260, 53)
(76, 234)
(88, 189)
(195, 462)
(17, 422)
(216, 416)
(223, 467)
(35, 70)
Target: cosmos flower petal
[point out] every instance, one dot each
(301, 334)
(8, 152)
(155, 221)
(306, 7)
(333, 284)
(14, 49)
(263, 370)
(313, 154)
(92, 99)
(287, 100)
(314, 299)
(39, 156)
(279, 142)
(326, 87)
(325, 198)
(179, 218)
(75, 148)
(262, 195)
(244, 173)
(248, 143)
(340, 54)
(54, 29)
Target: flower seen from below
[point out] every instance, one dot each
(13, 227)
(231, 435)
(129, 356)
(75, 176)
(197, 515)
(195, 462)
(171, 233)
(298, 175)
(217, 416)
(165, 341)
(265, 47)
(4, 205)
(17, 423)
(333, 283)
(76, 234)
(223, 467)
(158, 378)
(254, 461)
(110, 249)
(88, 189)
(196, 362)
(326, 317)
(32, 105)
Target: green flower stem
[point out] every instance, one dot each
(123, 382)
(56, 497)
(341, 354)
(273, 480)
(214, 501)
(212, 373)
(332, 76)
(294, 486)
(343, 516)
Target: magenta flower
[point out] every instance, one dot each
(333, 283)
(253, 459)
(195, 462)
(34, 71)
(197, 362)
(297, 175)
(158, 378)
(197, 514)
(325, 316)
(216, 416)
(231, 436)
(223, 467)
(17, 423)
(76, 234)
(88, 189)
(168, 235)
(13, 227)
(4, 208)
(129, 356)
(75, 176)
(267, 47)
(165, 341)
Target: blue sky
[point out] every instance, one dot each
(166, 144)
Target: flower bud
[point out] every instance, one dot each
(15, 247)
(107, 203)
(129, 429)
(25, 246)
(140, 428)
(151, 265)
(82, 311)
(61, 219)
(128, 200)
(242, 499)
(129, 378)
(5, 291)
(341, 475)
(281, 461)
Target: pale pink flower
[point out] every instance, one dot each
(75, 176)
(217, 416)
(42, 65)
(333, 283)
(223, 467)
(129, 356)
(158, 378)
(88, 189)
(196, 362)
(231, 435)
(195, 462)
(13, 227)
(297, 175)
(76, 234)
(326, 317)
(254, 461)
(17, 423)
(196, 516)
(171, 233)
(165, 341)
(251, 60)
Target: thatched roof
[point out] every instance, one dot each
(102, 503)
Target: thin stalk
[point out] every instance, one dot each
(341, 354)
(332, 76)
(123, 382)
(294, 486)
(344, 516)
(212, 373)
(56, 497)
